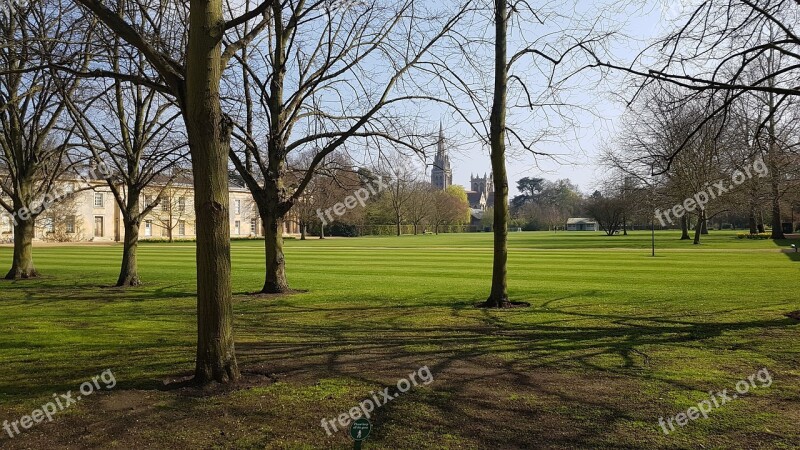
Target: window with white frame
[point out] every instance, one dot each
(98, 199)
(148, 228)
(70, 224)
(181, 228)
(181, 204)
(237, 226)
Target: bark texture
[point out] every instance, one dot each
(498, 297)
(22, 263)
(209, 142)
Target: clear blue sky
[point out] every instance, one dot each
(580, 150)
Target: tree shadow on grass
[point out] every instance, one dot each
(499, 382)
(559, 383)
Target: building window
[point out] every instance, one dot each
(165, 203)
(49, 226)
(237, 206)
(98, 199)
(98, 226)
(70, 226)
(237, 227)
(181, 204)
(253, 227)
(148, 228)
(181, 228)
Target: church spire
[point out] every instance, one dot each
(440, 142)
(441, 174)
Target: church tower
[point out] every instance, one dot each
(441, 174)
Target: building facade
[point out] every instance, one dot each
(481, 193)
(92, 215)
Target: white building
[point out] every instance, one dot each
(582, 224)
(93, 215)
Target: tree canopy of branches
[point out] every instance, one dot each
(323, 79)
(190, 74)
(35, 138)
(128, 127)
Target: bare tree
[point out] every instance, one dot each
(420, 204)
(525, 88)
(713, 52)
(608, 210)
(35, 140)
(191, 75)
(169, 206)
(316, 87)
(402, 179)
(128, 127)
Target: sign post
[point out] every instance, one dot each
(359, 430)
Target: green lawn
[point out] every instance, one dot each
(613, 340)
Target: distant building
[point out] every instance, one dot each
(582, 224)
(441, 174)
(481, 193)
(93, 215)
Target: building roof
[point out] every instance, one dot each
(580, 220)
(474, 198)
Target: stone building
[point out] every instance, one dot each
(92, 214)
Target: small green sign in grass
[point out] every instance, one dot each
(359, 430)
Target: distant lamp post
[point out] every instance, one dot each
(653, 232)
(653, 220)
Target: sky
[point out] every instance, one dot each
(579, 149)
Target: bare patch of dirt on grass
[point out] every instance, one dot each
(473, 402)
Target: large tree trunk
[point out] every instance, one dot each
(322, 231)
(777, 225)
(398, 225)
(775, 172)
(624, 225)
(698, 230)
(498, 297)
(685, 228)
(752, 220)
(129, 272)
(22, 262)
(209, 142)
(302, 230)
(275, 279)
